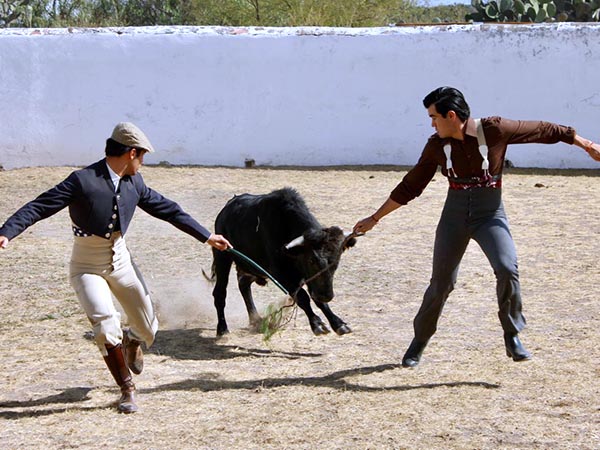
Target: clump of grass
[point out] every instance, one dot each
(275, 317)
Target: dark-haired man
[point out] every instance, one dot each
(471, 154)
(102, 199)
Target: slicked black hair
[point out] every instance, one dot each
(448, 99)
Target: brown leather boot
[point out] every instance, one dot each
(127, 403)
(120, 372)
(133, 353)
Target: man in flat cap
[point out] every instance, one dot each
(102, 199)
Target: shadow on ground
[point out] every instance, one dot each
(335, 380)
(212, 382)
(71, 396)
(193, 344)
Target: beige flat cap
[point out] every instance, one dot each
(126, 133)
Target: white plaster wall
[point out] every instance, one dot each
(301, 96)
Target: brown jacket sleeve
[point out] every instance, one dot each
(533, 131)
(416, 180)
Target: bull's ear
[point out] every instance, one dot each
(349, 243)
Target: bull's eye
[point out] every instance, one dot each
(317, 260)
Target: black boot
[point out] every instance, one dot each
(413, 354)
(120, 372)
(514, 348)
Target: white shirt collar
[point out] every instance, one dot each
(114, 177)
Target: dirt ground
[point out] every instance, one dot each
(297, 390)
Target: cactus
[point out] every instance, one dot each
(519, 7)
(535, 11)
(503, 11)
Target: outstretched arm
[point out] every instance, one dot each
(364, 225)
(590, 147)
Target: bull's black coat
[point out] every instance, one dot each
(260, 227)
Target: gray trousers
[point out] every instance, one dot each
(476, 214)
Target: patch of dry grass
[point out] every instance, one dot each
(298, 390)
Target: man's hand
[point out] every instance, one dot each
(593, 150)
(219, 242)
(364, 225)
(3, 241)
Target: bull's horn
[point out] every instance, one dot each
(349, 234)
(295, 243)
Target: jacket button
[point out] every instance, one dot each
(110, 225)
(107, 235)
(114, 216)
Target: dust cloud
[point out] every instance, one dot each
(183, 303)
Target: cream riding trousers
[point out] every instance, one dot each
(101, 267)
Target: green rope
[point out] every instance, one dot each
(256, 266)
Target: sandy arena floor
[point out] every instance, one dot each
(300, 391)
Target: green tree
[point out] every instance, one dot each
(17, 13)
(338, 13)
(435, 14)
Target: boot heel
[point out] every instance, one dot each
(514, 348)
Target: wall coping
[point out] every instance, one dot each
(403, 29)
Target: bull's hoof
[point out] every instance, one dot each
(320, 330)
(255, 325)
(344, 329)
(221, 333)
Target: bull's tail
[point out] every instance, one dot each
(213, 274)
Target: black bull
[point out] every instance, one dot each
(278, 232)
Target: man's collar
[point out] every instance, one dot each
(114, 177)
(471, 128)
(111, 172)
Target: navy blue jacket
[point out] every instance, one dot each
(90, 195)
